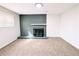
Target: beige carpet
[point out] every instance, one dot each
(39, 47)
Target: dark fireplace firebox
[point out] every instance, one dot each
(38, 32)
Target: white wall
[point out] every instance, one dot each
(69, 29)
(9, 34)
(66, 26)
(53, 25)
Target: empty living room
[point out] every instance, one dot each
(39, 29)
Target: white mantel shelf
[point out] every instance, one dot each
(38, 24)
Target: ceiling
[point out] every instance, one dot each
(29, 8)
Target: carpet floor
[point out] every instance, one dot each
(39, 47)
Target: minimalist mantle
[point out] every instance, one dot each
(38, 24)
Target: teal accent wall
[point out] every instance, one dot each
(27, 20)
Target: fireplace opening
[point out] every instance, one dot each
(38, 32)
